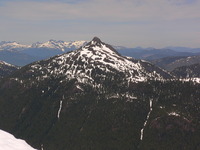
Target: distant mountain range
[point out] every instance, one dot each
(18, 54)
(170, 63)
(52, 44)
(184, 49)
(152, 54)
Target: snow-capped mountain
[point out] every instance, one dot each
(12, 46)
(95, 60)
(6, 69)
(52, 44)
(9, 142)
(61, 45)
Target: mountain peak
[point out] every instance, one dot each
(52, 40)
(97, 45)
(92, 63)
(96, 41)
(10, 45)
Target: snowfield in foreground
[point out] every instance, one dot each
(9, 142)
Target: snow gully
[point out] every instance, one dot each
(59, 109)
(145, 123)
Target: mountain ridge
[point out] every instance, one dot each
(6, 69)
(189, 71)
(170, 63)
(62, 45)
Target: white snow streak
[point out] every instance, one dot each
(59, 109)
(145, 123)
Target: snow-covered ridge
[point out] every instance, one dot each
(12, 45)
(83, 63)
(195, 80)
(9, 142)
(59, 44)
(62, 45)
(7, 69)
(6, 64)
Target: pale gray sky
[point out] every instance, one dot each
(131, 23)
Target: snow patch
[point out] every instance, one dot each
(79, 87)
(173, 114)
(9, 142)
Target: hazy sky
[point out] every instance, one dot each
(131, 23)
